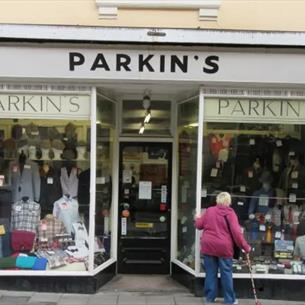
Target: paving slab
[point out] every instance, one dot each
(73, 299)
(159, 300)
(45, 297)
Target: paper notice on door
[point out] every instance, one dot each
(163, 193)
(145, 188)
(123, 226)
(127, 176)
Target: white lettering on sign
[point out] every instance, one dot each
(25, 105)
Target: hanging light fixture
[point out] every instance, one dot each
(142, 128)
(147, 116)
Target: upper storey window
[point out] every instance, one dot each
(207, 9)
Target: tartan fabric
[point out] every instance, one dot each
(25, 215)
(48, 228)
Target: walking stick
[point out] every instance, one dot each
(257, 302)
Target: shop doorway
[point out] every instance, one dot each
(144, 208)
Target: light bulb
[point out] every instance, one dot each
(142, 128)
(147, 117)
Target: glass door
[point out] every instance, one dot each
(144, 208)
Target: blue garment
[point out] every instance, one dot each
(211, 265)
(25, 262)
(40, 264)
(261, 201)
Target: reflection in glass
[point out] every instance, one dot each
(187, 173)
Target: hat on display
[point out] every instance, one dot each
(70, 130)
(53, 133)
(21, 143)
(57, 144)
(69, 154)
(45, 144)
(17, 132)
(32, 130)
(81, 143)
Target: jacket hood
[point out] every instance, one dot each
(223, 210)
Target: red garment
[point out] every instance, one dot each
(22, 240)
(216, 238)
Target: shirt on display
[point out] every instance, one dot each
(69, 183)
(25, 215)
(66, 210)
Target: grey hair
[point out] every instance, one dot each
(223, 198)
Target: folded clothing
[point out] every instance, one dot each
(22, 240)
(7, 262)
(40, 264)
(25, 262)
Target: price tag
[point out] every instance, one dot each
(242, 188)
(291, 153)
(214, 172)
(50, 180)
(15, 169)
(250, 174)
(278, 234)
(262, 228)
(35, 133)
(292, 198)
(2, 230)
(240, 203)
(295, 185)
(184, 229)
(27, 166)
(126, 191)
(252, 142)
(263, 201)
(204, 193)
(217, 164)
(279, 143)
(294, 174)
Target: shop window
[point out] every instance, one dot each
(187, 173)
(255, 149)
(44, 224)
(105, 130)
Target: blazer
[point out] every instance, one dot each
(25, 184)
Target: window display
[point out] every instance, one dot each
(187, 173)
(261, 164)
(42, 224)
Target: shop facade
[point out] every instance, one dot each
(108, 152)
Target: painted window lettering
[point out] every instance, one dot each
(142, 63)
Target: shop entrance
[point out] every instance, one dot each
(144, 208)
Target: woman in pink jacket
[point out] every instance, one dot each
(217, 247)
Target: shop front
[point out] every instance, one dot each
(108, 153)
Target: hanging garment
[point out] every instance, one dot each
(50, 190)
(69, 183)
(66, 210)
(25, 182)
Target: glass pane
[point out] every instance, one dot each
(105, 129)
(42, 214)
(134, 114)
(262, 165)
(187, 173)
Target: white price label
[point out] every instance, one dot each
(252, 142)
(240, 203)
(262, 228)
(242, 188)
(279, 143)
(278, 234)
(204, 193)
(214, 172)
(292, 198)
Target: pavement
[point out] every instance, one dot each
(124, 290)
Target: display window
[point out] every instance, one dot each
(255, 150)
(44, 209)
(187, 133)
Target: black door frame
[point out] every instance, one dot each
(169, 146)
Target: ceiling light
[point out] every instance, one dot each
(142, 128)
(147, 116)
